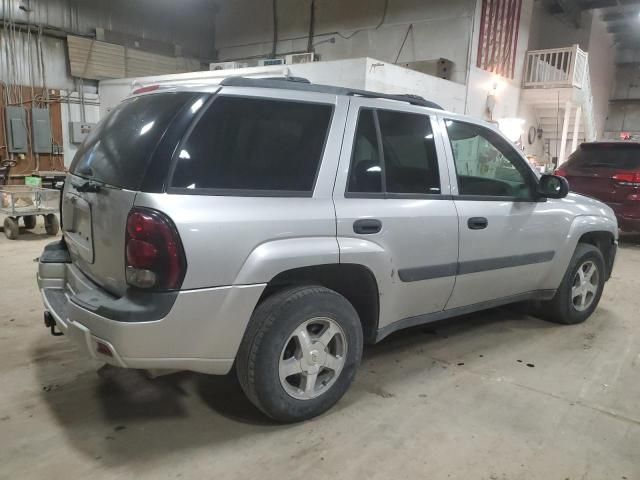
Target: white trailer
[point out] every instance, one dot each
(358, 73)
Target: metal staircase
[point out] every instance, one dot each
(557, 86)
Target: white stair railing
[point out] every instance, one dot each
(587, 106)
(556, 67)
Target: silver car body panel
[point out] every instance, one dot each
(94, 226)
(427, 264)
(417, 231)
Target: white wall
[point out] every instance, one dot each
(482, 83)
(72, 112)
(601, 49)
(624, 112)
(441, 29)
(553, 31)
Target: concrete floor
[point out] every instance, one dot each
(491, 396)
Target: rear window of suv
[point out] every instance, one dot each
(254, 145)
(606, 155)
(118, 151)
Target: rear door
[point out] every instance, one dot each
(108, 170)
(394, 212)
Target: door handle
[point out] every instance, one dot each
(367, 226)
(477, 223)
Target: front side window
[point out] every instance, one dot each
(408, 163)
(254, 144)
(486, 164)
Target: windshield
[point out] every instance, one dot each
(118, 151)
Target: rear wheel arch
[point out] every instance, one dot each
(355, 282)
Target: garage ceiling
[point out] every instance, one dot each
(621, 16)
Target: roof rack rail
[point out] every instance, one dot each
(302, 84)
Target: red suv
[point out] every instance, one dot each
(610, 172)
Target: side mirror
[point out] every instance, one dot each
(553, 186)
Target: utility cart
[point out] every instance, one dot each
(27, 202)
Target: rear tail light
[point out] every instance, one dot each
(154, 255)
(628, 179)
(560, 172)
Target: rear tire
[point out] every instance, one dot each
(300, 352)
(581, 288)
(51, 224)
(29, 221)
(11, 228)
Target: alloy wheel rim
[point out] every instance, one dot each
(585, 286)
(312, 358)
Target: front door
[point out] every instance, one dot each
(393, 206)
(508, 237)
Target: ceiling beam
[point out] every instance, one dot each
(570, 9)
(624, 14)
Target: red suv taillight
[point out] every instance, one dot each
(154, 254)
(628, 179)
(560, 172)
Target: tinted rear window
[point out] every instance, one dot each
(119, 149)
(623, 157)
(254, 144)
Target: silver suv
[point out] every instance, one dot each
(273, 226)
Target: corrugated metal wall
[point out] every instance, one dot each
(152, 27)
(189, 24)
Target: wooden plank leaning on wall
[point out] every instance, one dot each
(32, 162)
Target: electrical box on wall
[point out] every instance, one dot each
(80, 130)
(16, 119)
(41, 128)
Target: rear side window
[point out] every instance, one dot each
(606, 155)
(411, 164)
(254, 144)
(119, 149)
(365, 175)
(408, 162)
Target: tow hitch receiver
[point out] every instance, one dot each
(50, 323)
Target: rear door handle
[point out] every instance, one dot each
(477, 223)
(367, 226)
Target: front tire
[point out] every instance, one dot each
(581, 288)
(300, 352)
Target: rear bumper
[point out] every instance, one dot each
(201, 331)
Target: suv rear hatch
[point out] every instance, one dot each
(608, 171)
(108, 170)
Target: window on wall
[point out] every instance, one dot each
(254, 144)
(486, 164)
(408, 163)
